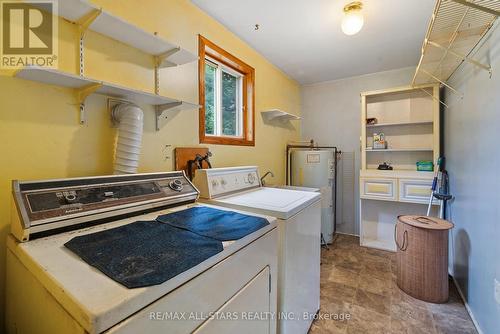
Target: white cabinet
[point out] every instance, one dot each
(414, 191)
(383, 199)
(381, 189)
(397, 189)
(409, 119)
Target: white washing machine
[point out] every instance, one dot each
(299, 225)
(51, 289)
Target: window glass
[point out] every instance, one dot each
(230, 104)
(226, 87)
(210, 98)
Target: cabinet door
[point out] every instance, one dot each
(415, 191)
(381, 189)
(246, 312)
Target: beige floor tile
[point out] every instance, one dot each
(366, 321)
(371, 301)
(373, 284)
(361, 282)
(448, 324)
(344, 276)
(406, 327)
(321, 326)
(333, 292)
(412, 314)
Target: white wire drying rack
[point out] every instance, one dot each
(456, 27)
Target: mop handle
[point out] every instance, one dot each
(439, 165)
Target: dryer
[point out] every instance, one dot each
(67, 241)
(299, 227)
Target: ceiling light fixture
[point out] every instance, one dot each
(353, 18)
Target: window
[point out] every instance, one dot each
(226, 88)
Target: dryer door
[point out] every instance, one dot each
(247, 312)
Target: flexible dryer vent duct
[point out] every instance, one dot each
(130, 119)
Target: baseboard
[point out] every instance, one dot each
(353, 235)
(467, 307)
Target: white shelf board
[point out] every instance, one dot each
(54, 77)
(399, 173)
(399, 124)
(276, 114)
(400, 150)
(62, 79)
(125, 32)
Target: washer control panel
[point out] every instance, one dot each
(216, 182)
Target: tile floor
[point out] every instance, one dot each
(360, 282)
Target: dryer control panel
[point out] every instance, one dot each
(49, 205)
(217, 182)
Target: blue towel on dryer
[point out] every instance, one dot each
(143, 253)
(217, 224)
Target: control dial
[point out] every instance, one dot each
(175, 185)
(251, 178)
(69, 197)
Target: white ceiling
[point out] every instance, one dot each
(304, 39)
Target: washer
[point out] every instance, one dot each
(299, 225)
(50, 289)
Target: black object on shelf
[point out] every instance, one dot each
(384, 166)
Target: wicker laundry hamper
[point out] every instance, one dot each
(422, 257)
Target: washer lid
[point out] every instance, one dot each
(430, 223)
(280, 203)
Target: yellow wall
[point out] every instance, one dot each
(39, 132)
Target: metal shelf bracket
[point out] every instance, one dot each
(460, 56)
(160, 109)
(83, 93)
(85, 21)
(434, 98)
(441, 81)
(83, 25)
(158, 60)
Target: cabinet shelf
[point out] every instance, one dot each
(276, 114)
(399, 150)
(409, 120)
(112, 26)
(86, 86)
(380, 125)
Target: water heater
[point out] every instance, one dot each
(316, 169)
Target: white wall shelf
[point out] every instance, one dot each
(78, 11)
(379, 125)
(86, 86)
(456, 27)
(279, 115)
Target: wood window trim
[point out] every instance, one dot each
(207, 48)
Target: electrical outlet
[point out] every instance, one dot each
(497, 291)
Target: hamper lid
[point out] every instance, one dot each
(431, 223)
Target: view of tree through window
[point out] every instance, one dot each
(210, 77)
(229, 102)
(222, 100)
(226, 88)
